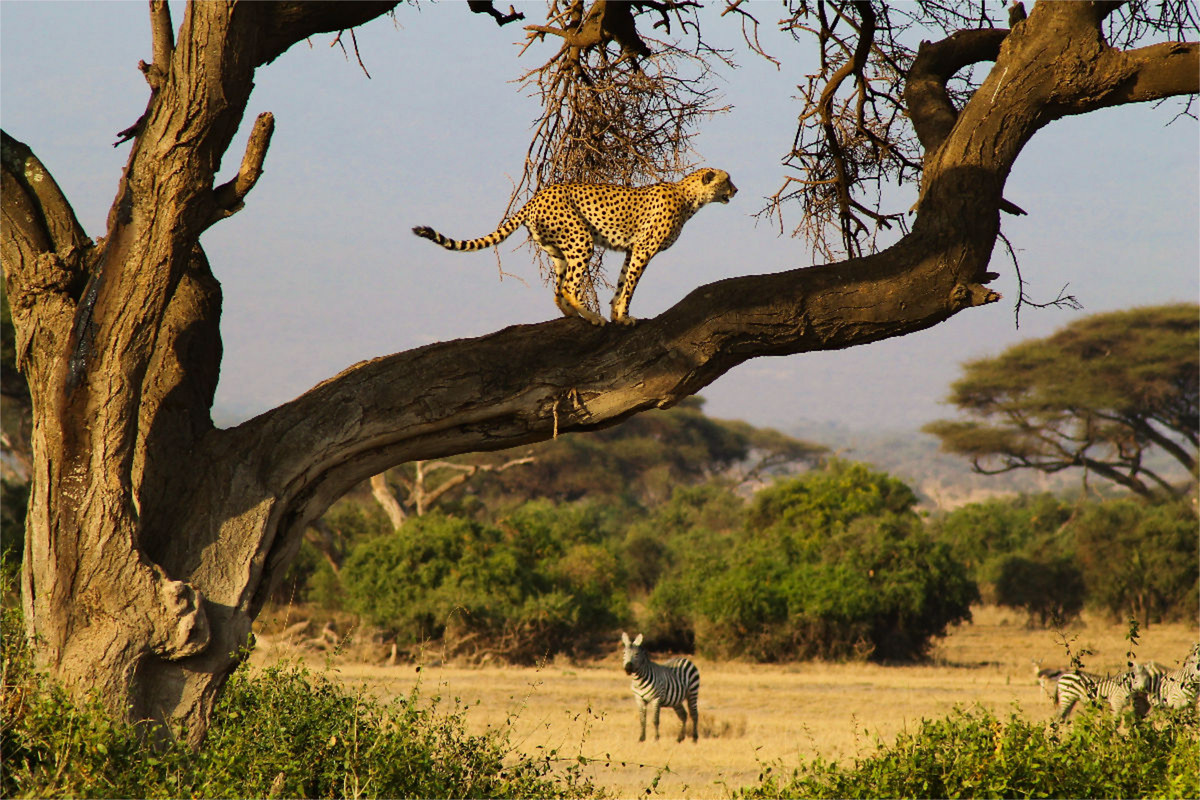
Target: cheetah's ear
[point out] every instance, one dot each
(708, 176)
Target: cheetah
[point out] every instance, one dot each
(568, 220)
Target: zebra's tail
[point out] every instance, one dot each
(494, 238)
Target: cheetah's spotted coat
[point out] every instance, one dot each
(568, 220)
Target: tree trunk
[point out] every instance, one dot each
(153, 538)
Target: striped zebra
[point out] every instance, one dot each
(1177, 688)
(657, 685)
(1117, 690)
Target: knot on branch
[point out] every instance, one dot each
(180, 624)
(155, 75)
(50, 275)
(966, 295)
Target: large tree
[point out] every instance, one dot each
(1103, 394)
(153, 538)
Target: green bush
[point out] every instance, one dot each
(984, 535)
(972, 753)
(282, 733)
(1140, 559)
(526, 588)
(1032, 552)
(696, 531)
(881, 589)
(833, 564)
(1051, 592)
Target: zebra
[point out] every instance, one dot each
(657, 685)
(1047, 679)
(1177, 688)
(1117, 690)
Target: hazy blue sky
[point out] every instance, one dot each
(320, 270)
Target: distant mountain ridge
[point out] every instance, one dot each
(942, 481)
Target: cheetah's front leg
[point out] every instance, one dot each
(636, 260)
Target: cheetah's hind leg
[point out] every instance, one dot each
(566, 297)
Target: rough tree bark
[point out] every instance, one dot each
(153, 538)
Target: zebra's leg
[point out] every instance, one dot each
(641, 704)
(683, 717)
(657, 708)
(692, 703)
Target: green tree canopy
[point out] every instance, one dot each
(1106, 393)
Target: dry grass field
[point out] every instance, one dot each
(752, 715)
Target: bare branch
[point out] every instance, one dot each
(845, 144)
(229, 196)
(387, 501)
(354, 40)
(163, 38)
(749, 34)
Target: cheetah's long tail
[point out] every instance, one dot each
(494, 238)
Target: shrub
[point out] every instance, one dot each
(14, 500)
(1051, 592)
(832, 564)
(283, 733)
(1139, 559)
(972, 753)
(696, 531)
(881, 589)
(983, 535)
(528, 588)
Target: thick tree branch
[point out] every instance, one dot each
(929, 106)
(486, 7)
(1149, 73)
(281, 25)
(526, 383)
(44, 251)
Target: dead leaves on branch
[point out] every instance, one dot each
(619, 106)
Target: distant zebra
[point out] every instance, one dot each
(1047, 679)
(1117, 690)
(1177, 688)
(658, 685)
(1156, 669)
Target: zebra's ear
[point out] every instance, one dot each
(638, 641)
(625, 638)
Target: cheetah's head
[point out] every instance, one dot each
(710, 185)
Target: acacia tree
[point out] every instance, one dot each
(1102, 394)
(153, 538)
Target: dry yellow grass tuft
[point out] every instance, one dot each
(753, 714)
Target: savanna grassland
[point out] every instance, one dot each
(752, 715)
